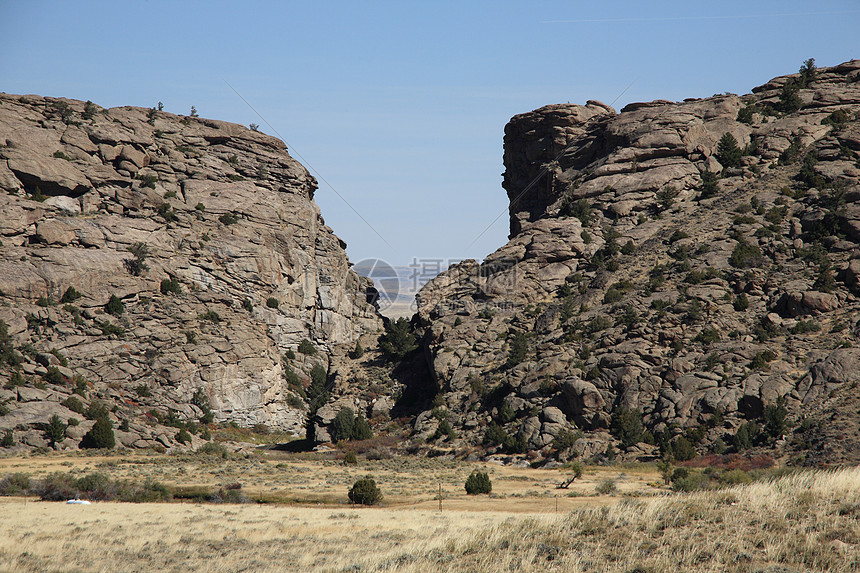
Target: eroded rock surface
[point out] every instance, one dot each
(208, 235)
(647, 271)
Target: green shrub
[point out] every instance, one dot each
(741, 303)
(210, 316)
(96, 410)
(838, 118)
(272, 302)
(14, 484)
(170, 286)
(495, 435)
(165, 211)
(579, 209)
(147, 180)
(100, 436)
(666, 197)
(290, 354)
(365, 492)
(682, 449)
(745, 114)
(761, 359)
(229, 218)
(606, 487)
(804, 326)
(612, 295)
(307, 348)
(735, 477)
(54, 376)
(745, 436)
(109, 329)
(71, 295)
(214, 449)
(707, 335)
(357, 352)
(8, 439)
(7, 349)
(114, 306)
(566, 439)
(90, 110)
(746, 255)
(628, 248)
(248, 305)
(73, 404)
(316, 392)
(478, 482)
(626, 425)
(691, 481)
(183, 437)
(361, 429)
(775, 417)
(350, 459)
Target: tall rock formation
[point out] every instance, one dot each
(206, 234)
(691, 263)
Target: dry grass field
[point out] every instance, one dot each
(321, 479)
(801, 522)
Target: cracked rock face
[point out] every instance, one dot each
(234, 265)
(634, 286)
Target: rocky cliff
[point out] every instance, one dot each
(163, 265)
(679, 274)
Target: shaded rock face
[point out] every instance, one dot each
(207, 233)
(649, 270)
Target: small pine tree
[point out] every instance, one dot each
(709, 185)
(307, 347)
(398, 340)
(519, 347)
(183, 437)
(728, 152)
(626, 425)
(365, 492)
(361, 429)
(8, 439)
(357, 352)
(100, 436)
(342, 424)
(478, 482)
(807, 72)
(789, 100)
(56, 430)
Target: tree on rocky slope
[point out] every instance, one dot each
(728, 152)
(398, 340)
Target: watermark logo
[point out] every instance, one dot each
(385, 279)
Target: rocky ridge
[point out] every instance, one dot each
(705, 284)
(163, 265)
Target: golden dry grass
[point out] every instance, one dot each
(274, 476)
(802, 522)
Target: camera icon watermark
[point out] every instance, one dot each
(386, 282)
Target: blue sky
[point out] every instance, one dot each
(401, 106)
